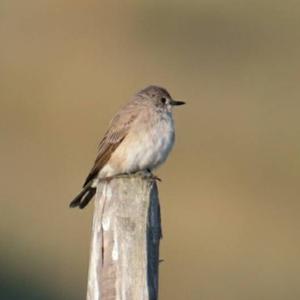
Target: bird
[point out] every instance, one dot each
(139, 138)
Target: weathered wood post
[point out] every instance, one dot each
(126, 231)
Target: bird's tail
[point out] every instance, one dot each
(84, 197)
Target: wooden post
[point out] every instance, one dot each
(126, 231)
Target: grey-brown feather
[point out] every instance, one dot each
(118, 129)
(139, 137)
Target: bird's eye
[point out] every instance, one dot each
(163, 100)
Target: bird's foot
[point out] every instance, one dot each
(147, 174)
(150, 175)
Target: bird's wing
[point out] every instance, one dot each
(114, 136)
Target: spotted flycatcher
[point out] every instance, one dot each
(139, 138)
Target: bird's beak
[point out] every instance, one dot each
(175, 102)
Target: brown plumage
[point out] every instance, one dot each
(139, 137)
(111, 140)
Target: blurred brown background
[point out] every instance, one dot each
(230, 190)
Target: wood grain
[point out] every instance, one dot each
(126, 232)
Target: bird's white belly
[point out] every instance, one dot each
(153, 148)
(144, 148)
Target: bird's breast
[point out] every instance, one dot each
(157, 140)
(147, 144)
(154, 141)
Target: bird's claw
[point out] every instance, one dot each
(150, 175)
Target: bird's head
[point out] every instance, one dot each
(159, 97)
